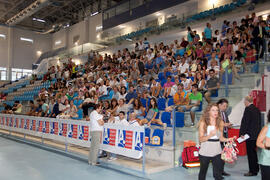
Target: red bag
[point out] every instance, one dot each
(190, 155)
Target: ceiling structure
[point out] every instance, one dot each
(48, 16)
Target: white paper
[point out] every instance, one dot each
(209, 129)
(240, 139)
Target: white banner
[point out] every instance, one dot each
(122, 140)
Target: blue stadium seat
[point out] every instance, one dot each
(161, 103)
(170, 102)
(179, 119)
(143, 101)
(166, 118)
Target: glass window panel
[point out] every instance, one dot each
(3, 75)
(122, 8)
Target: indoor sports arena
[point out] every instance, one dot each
(135, 89)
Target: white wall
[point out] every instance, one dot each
(3, 47)
(208, 4)
(76, 30)
(94, 21)
(59, 36)
(25, 53)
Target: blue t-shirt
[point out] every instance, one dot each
(131, 95)
(208, 33)
(190, 39)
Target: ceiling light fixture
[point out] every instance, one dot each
(39, 20)
(95, 13)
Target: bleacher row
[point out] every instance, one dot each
(193, 18)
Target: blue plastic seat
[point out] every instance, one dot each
(170, 102)
(143, 101)
(161, 103)
(179, 119)
(166, 118)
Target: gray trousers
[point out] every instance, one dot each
(94, 148)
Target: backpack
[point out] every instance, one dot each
(190, 155)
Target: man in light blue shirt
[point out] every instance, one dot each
(208, 31)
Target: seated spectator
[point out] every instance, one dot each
(183, 66)
(251, 54)
(32, 110)
(212, 86)
(186, 82)
(102, 89)
(116, 93)
(133, 121)
(200, 81)
(56, 109)
(151, 115)
(64, 108)
(131, 94)
(239, 62)
(44, 109)
(167, 87)
(138, 109)
(141, 89)
(123, 93)
(72, 111)
(195, 99)
(155, 88)
(146, 77)
(17, 107)
(113, 107)
(7, 109)
(180, 99)
(122, 106)
(120, 119)
(87, 103)
(43, 94)
(51, 104)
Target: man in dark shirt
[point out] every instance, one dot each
(212, 85)
(131, 94)
(56, 110)
(251, 125)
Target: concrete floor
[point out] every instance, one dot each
(22, 161)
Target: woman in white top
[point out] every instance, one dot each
(123, 93)
(210, 134)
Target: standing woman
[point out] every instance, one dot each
(264, 157)
(210, 135)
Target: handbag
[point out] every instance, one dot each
(229, 152)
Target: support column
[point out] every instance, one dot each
(10, 52)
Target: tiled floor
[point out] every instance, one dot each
(21, 161)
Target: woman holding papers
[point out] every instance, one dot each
(210, 134)
(263, 143)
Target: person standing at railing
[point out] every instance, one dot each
(96, 128)
(259, 34)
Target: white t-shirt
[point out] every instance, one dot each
(186, 84)
(103, 89)
(134, 123)
(120, 122)
(183, 67)
(94, 125)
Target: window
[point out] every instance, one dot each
(19, 73)
(3, 75)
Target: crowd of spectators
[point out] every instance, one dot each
(186, 71)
